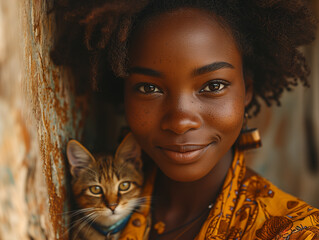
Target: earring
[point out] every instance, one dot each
(249, 138)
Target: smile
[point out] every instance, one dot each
(184, 154)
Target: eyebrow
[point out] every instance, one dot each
(202, 70)
(145, 71)
(211, 68)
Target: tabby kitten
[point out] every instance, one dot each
(106, 189)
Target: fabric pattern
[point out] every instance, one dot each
(248, 207)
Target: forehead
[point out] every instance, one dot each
(181, 35)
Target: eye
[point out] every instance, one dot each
(96, 190)
(148, 88)
(124, 186)
(214, 86)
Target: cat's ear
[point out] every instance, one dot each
(79, 157)
(129, 150)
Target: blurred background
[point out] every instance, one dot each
(40, 111)
(290, 135)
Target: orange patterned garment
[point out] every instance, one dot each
(249, 207)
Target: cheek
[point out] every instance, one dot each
(227, 115)
(135, 116)
(86, 202)
(140, 115)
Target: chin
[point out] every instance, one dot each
(185, 179)
(109, 219)
(187, 173)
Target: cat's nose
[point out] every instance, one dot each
(112, 206)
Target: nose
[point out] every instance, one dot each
(112, 206)
(182, 114)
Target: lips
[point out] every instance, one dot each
(184, 148)
(184, 154)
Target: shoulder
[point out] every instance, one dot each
(278, 215)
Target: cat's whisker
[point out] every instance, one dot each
(81, 226)
(71, 226)
(72, 213)
(144, 199)
(94, 215)
(141, 206)
(82, 219)
(80, 211)
(77, 212)
(101, 210)
(92, 219)
(68, 230)
(64, 213)
(81, 222)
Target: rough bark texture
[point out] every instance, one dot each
(38, 114)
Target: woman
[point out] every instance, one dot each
(191, 71)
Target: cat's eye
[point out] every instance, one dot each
(124, 186)
(95, 190)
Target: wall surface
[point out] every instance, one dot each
(38, 114)
(290, 134)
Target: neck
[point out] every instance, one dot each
(187, 199)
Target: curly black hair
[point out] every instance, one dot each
(94, 38)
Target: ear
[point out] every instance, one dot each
(249, 90)
(129, 150)
(79, 157)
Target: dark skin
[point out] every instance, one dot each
(185, 100)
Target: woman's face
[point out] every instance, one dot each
(185, 95)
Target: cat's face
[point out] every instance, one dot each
(106, 188)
